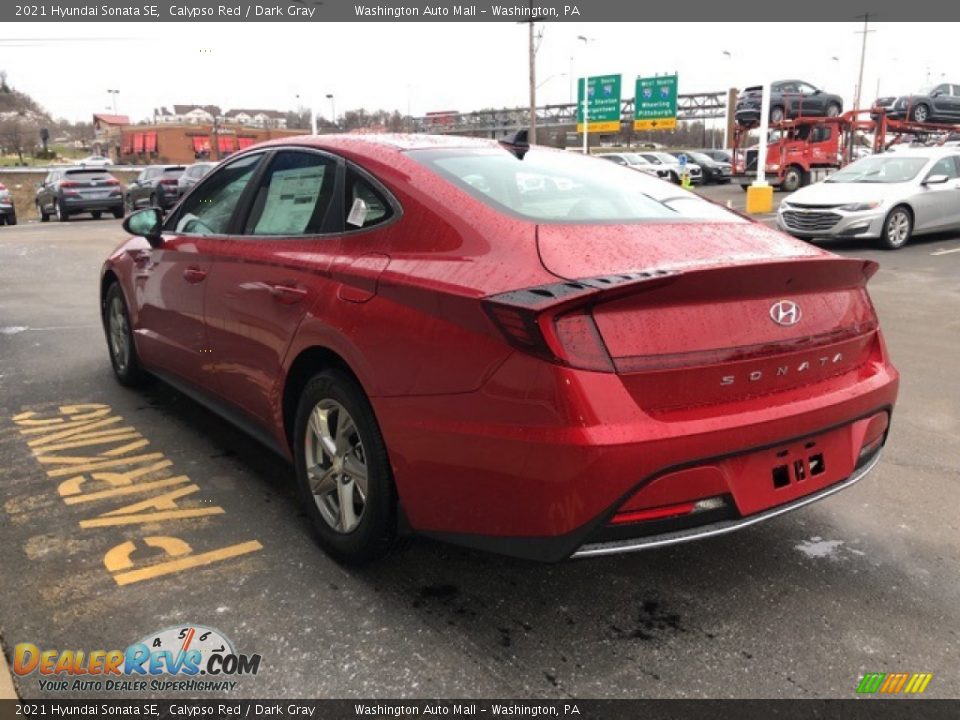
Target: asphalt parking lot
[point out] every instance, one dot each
(802, 606)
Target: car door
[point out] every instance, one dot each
(942, 103)
(810, 101)
(44, 194)
(270, 271)
(790, 96)
(937, 205)
(954, 101)
(171, 280)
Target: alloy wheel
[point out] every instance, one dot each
(336, 466)
(119, 338)
(898, 228)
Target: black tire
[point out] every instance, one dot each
(128, 204)
(118, 213)
(744, 187)
(126, 363)
(12, 219)
(154, 202)
(792, 179)
(96, 214)
(833, 110)
(920, 113)
(62, 215)
(897, 228)
(777, 114)
(44, 217)
(674, 178)
(375, 532)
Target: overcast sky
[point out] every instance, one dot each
(68, 67)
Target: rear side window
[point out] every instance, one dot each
(560, 187)
(366, 205)
(209, 207)
(295, 197)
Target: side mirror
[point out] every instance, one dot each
(147, 223)
(935, 180)
(935, 93)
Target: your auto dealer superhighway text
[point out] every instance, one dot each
(176, 11)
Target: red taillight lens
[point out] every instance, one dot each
(68, 184)
(168, 182)
(579, 343)
(112, 182)
(569, 338)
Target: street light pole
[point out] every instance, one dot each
(333, 109)
(863, 57)
(532, 50)
(113, 95)
(586, 100)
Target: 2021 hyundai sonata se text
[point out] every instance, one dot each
(517, 349)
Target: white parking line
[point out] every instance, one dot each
(946, 252)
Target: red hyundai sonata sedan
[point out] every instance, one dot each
(516, 349)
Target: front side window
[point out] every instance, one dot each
(945, 166)
(295, 196)
(209, 207)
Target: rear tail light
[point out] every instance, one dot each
(168, 182)
(569, 338)
(68, 184)
(112, 181)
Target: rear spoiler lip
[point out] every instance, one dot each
(580, 291)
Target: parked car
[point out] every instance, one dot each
(192, 175)
(789, 99)
(94, 161)
(609, 364)
(890, 197)
(155, 186)
(666, 161)
(637, 162)
(714, 171)
(936, 103)
(718, 154)
(8, 213)
(65, 193)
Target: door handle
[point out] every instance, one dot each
(194, 275)
(287, 294)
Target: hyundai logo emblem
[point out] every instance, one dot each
(785, 312)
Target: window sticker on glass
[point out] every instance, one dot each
(358, 213)
(291, 201)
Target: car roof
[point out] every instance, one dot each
(391, 141)
(929, 152)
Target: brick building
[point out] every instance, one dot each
(186, 143)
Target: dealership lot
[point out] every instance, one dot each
(798, 607)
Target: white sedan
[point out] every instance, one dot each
(889, 197)
(94, 161)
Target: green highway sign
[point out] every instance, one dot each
(655, 103)
(603, 106)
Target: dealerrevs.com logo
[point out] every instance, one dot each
(177, 659)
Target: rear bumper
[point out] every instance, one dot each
(509, 470)
(90, 204)
(724, 526)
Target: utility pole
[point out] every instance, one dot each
(533, 85)
(863, 57)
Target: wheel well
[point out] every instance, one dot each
(906, 207)
(307, 364)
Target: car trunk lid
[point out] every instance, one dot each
(736, 310)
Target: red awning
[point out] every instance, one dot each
(245, 142)
(127, 143)
(225, 143)
(150, 142)
(138, 142)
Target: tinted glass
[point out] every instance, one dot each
(87, 175)
(945, 166)
(295, 196)
(561, 187)
(375, 208)
(173, 172)
(209, 207)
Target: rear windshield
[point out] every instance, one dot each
(88, 175)
(173, 172)
(551, 186)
